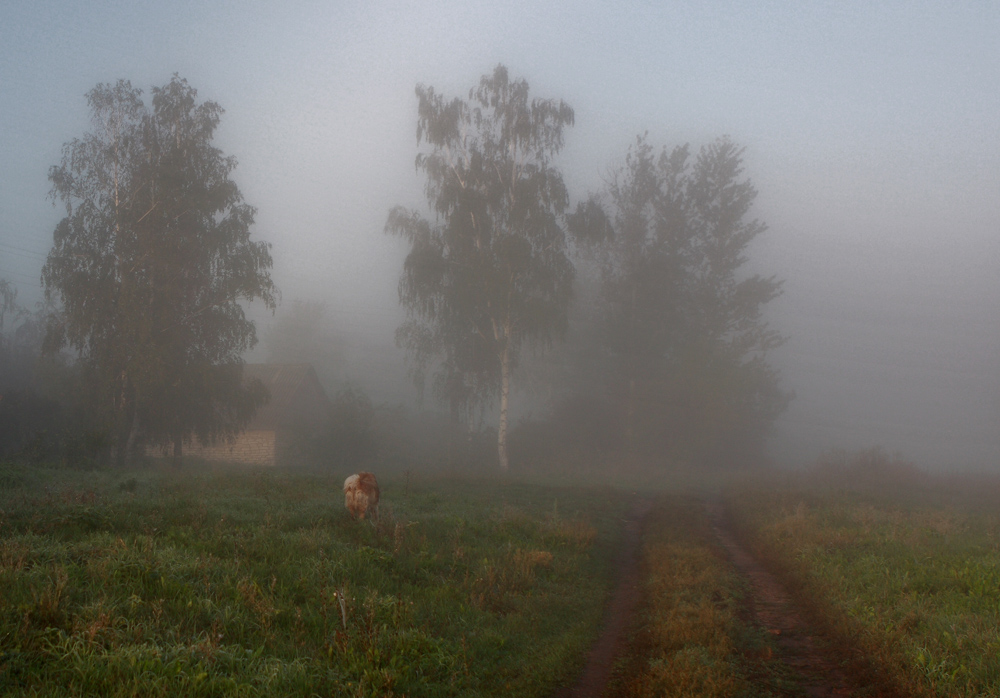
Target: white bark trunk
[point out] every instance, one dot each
(504, 398)
(630, 414)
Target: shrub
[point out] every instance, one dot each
(578, 422)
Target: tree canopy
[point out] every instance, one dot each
(151, 263)
(491, 270)
(683, 327)
(303, 333)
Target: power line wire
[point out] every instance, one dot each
(19, 278)
(21, 249)
(23, 256)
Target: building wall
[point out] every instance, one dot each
(284, 430)
(253, 447)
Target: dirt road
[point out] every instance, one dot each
(800, 646)
(818, 666)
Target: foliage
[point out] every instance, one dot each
(353, 437)
(493, 272)
(150, 264)
(8, 304)
(346, 440)
(907, 571)
(581, 422)
(23, 412)
(16, 353)
(301, 334)
(246, 583)
(682, 332)
(410, 439)
(42, 413)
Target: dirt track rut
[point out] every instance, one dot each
(799, 645)
(619, 613)
(818, 669)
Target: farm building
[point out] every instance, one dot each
(298, 410)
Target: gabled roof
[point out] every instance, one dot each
(296, 395)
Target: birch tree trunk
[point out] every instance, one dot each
(504, 399)
(178, 457)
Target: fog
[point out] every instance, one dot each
(872, 135)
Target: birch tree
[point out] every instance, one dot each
(490, 270)
(150, 265)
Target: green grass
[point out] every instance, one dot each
(245, 583)
(909, 575)
(695, 637)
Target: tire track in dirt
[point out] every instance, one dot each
(619, 612)
(799, 645)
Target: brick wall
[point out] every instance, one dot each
(253, 447)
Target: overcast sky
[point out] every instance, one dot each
(872, 133)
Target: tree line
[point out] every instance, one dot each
(680, 351)
(151, 264)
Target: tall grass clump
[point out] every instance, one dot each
(257, 583)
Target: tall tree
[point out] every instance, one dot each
(641, 254)
(683, 326)
(10, 310)
(303, 333)
(151, 263)
(491, 272)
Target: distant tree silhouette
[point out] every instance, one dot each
(150, 264)
(683, 331)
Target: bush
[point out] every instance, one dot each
(579, 422)
(352, 435)
(420, 440)
(873, 467)
(25, 420)
(347, 440)
(87, 450)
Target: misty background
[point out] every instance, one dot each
(872, 135)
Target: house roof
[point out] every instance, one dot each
(296, 395)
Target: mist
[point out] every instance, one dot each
(870, 134)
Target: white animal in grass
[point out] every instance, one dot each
(361, 495)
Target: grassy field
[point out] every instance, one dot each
(246, 583)
(695, 637)
(904, 567)
(236, 582)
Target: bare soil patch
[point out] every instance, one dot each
(620, 611)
